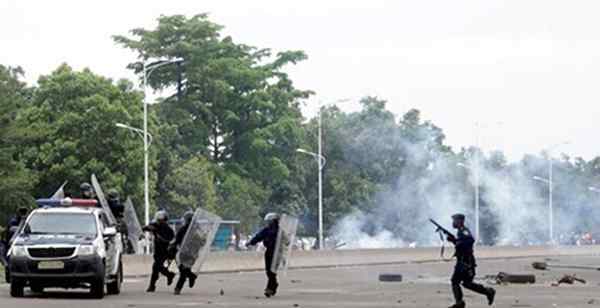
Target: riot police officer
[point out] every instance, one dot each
(11, 228)
(87, 191)
(268, 236)
(114, 203)
(163, 235)
(184, 271)
(464, 271)
(15, 222)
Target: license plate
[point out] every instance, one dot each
(51, 265)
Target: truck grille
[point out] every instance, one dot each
(51, 252)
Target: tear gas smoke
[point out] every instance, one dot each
(513, 207)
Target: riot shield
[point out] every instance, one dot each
(198, 239)
(100, 195)
(285, 240)
(60, 193)
(134, 228)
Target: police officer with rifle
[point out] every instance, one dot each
(464, 270)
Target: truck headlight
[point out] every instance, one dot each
(18, 251)
(86, 250)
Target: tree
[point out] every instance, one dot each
(68, 132)
(191, 185)
(234, 105)
(17, 181)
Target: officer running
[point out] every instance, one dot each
(464, 271)
(184, 271)
(163, 235)
(268, 236)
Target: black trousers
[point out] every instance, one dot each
(465, 274)
(271, 276)
(184, 273)
(158, 267)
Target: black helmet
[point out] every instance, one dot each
(22, 211)
(87, 191)
(113, 194)
(458, 216)
(85, 187)
(187, 217)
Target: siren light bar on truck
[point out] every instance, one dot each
(65, 202)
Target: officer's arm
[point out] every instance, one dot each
(259, 237)
(179, 237)
(149, 228)
(465, 239)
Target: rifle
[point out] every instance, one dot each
(442, 229)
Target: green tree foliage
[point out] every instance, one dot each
(16, 180)
(234, 105)
(191, 185)
(68, 132)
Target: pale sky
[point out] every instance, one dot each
(533, 65)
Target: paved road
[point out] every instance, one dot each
(425, 285)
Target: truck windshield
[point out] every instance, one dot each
(61, 223)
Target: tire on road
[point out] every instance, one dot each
(36, 288)
(390, 277)
(516, 278)
(17, 288)
(97, 285)
(114, 287)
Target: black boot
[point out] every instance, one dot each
(170, 278)
(151, 288)
(460, 304)
(490, 296)
(177, 291)
(192, 280)
(269, 293)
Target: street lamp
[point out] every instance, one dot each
(147, 70)
(475, 171)
(549, 181)
(321, 161)
(550, 206)
(138, 131)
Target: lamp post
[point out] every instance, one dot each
(475, 171)
(147, 70)
(321, 161)
(550, 206)
(550, 182)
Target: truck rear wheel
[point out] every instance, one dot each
(16, 288)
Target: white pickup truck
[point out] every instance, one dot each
(66, 243)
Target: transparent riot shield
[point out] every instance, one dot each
(285, 240)
(100, 195)
(134, 228)
(60, 192)
(198, 239)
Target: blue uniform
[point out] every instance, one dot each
(464, 271)
(268, 236)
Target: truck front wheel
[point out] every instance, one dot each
(16, 288)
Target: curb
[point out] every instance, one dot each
(353, 265)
